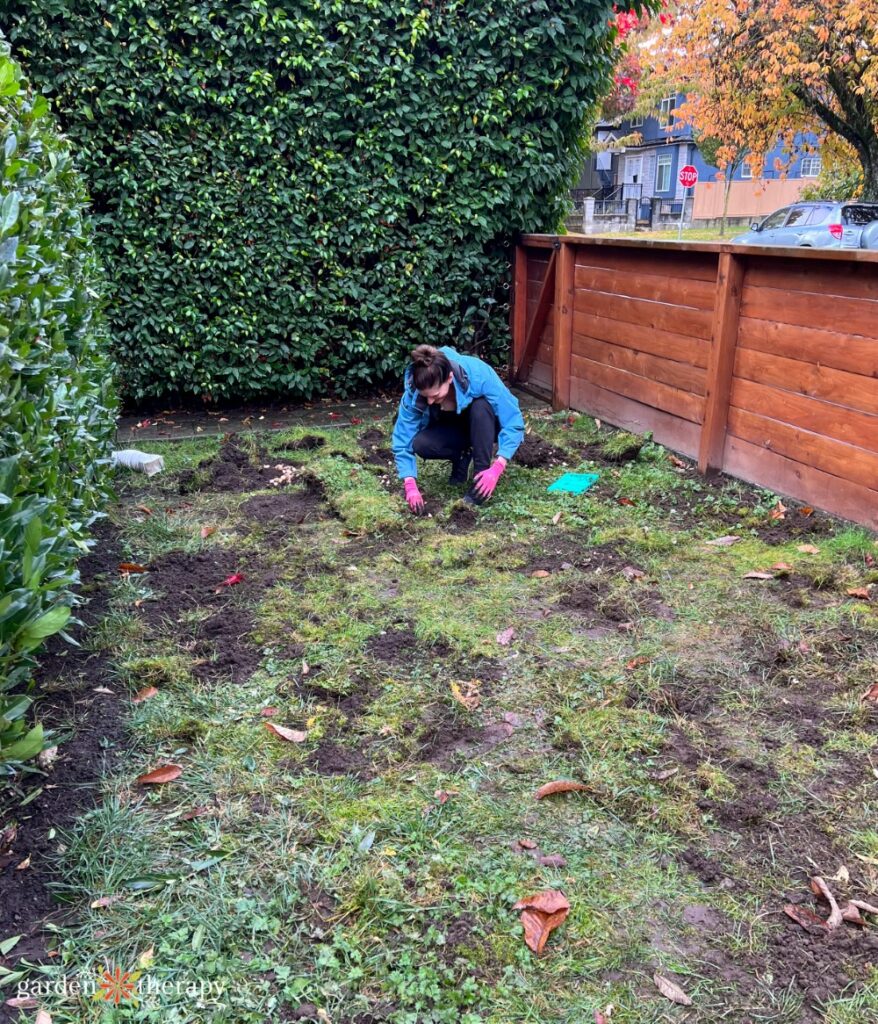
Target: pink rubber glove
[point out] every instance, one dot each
(485, 482)
(413, 495)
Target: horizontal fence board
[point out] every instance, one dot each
(679, 375)
(827, 348)
(681, 435)
(853, 280)
(856, 428)
(809, 309)
(655, 315)
(824, 382)
(841, 460)
(666, 344)
(784, 475)
(641, 389)
(692, 266)
(658, 287)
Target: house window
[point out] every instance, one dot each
(666, 111)
(746, 170)
(810, 166)
(663, 173)
(636, 121)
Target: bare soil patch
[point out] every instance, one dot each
(536, 453)
(233, 470)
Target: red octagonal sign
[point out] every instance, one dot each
(688, 176)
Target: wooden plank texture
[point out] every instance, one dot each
(684, 376)
(653, 315)
(855, 316)
(692, 266)
(826, 348)
(659, 288)
(648, 392)
(563, 328)
(666, 344)
(537, 323)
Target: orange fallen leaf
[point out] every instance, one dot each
(467, 694)
(290, 735)
(625, 501)
(781, 567)
(559, 786)
(778, 512)
(861, 593)
(207, 531)
(670, 990)
(636, 663)
(165, 773)
(144, 694)
(806, 510)
(145, 509)
(130, 567)
(674, 461)
(808, 549)
(539, 574)
(541, 914)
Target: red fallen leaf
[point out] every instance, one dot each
(870, 561)
(861, 593)
(806, 510)
(231, 581)
(356, 421)
(559, 786)
(871, 693)
(625, 501)
(131, 567)
(505, 638)
(805, 917)
(207, 531)
(541, 914)
(778, 512)
(166, 773)
(196, 812)
(268, 712)
(334, 415)
(144, 694)
(290, 735)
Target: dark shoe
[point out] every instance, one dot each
(472, 498)
(460, 468)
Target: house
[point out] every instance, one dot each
(638, 185)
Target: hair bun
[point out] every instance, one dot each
(424, 355)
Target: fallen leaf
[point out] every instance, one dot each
(290, 735)
(663, 775)
(631, 573)
(131, 567)
(670, 990)
(820, 888)
(207, 531)
(43, 1017)
(781, 567)
(806, 510)
(231, 581)
(599, 1018)
(805, 917)
(808, 549)
(103, 689)
(778, 512)
(145, 509)
(444, 795)
(527, 844)
(723, 542)
(24, 865)
(674, 461)
(636, 663)
(505, 638)
(625, 501)
(539, 574)
(862, 905)
(541, 914)
(756, 574)
(196, 812)
(165, 773)
(556, 518)
(146, 957)
(306, 668)
(356, 421)
(268, 712)
(104, 901)
(842, 875)
(46, 757)
(559, 786)
(144, 694)
(871, 861)
(552, 860)
(861, 593)
(852, 914)
(467, 694)
(22, 1002)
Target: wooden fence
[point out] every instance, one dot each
(760, 363)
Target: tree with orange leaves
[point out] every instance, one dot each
(754, 68)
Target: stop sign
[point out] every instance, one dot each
(688, 176)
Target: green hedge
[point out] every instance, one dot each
(56, 419)
(289, 195)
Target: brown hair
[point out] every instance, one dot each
(430, 367)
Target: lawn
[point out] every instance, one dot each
(362, 705)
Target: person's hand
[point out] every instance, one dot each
(413, 495)
(485, 482)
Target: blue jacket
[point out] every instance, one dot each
(472, 378)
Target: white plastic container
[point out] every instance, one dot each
(130, 458)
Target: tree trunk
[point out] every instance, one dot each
(726, 192)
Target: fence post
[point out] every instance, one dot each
(518, 316)
(721, 361)
(563, 326)
(588, 216)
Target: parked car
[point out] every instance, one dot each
(818, 224)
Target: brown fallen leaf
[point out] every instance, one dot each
(104, 901)
(556, 518)
(674, 461)
(207, 531)
(805, 917)
(145, 509)
(539, 574)
(506, 637)
(559, 786)
(861, 593)
(131, 567)
(268, 712)
(625, 501)
(778, 512)
(541, 914)
(290, 735)
(781, 567)
(636, 663)
(306, 668)
(820, 888)
(444, 795)
(43, 1017)
(467, 694)
(806, 510)
(144, 694)
(552, 860)
(22, 1002)
(164, 773)
(871, 693)
(756, 574)
(723, 542)
(670, 990)
(808, 549)
(852, 915)
(527, 844)
(663, 775)
(24, 865)
(631, 573)
(869, 908)
(196, 812)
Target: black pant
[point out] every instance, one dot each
(450, 434)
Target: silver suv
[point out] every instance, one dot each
(818, 224)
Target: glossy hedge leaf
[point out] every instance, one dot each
(290, 196)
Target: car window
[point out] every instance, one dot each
(819, 215)
(799, 215)
(776, 219)
(859, 215)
